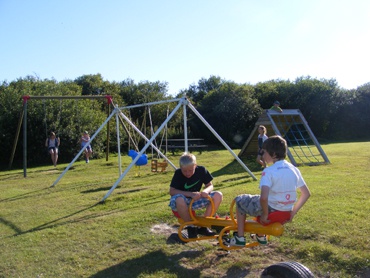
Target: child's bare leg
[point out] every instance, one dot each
(241, 222)
(52, 155)
(217, 199)
(183, 209)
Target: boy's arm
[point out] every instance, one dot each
(174, 191)
(305, 194)
(208, 189)
(264, 204)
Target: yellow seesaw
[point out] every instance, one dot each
(228, 224)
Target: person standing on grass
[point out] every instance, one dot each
(279, 184)
(261, 138)
(85, 140)
(186, 185)
(52, 143)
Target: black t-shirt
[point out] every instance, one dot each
(194, 183)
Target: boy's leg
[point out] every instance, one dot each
(245, 204)
(239, 239)
(217, 199)
(241, 222)
(183, 209)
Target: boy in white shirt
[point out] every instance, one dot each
(278, 185)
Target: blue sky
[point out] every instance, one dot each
(180, 42)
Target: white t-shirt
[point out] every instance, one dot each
(283, 179)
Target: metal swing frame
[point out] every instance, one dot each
(181, 102)
(26, 98)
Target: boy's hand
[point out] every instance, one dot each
(263, 219)
(204, 194)
(196, 196)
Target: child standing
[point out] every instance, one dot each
(186, 185)
(279, 184)
(85, 140)
(261, 138)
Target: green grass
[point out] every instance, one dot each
(64, 231)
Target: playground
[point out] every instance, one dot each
(66, 231)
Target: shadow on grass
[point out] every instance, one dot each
(58, 222)
(122, 192)
(235, 168)
(156, 262)
(48, 224)
(24, 195)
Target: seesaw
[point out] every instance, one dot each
(225, 225)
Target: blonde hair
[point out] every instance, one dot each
(187, 159)
(264, 128)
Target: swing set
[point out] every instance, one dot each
(134, 140)
(120, 117)
(23, 118)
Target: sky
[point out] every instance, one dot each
(181, 42)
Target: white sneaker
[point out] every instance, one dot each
(261, 239)
(237, 241)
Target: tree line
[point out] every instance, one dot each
(333, 113)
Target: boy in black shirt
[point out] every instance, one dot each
(186, 185)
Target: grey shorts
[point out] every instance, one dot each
(249, 204)
(201, 203)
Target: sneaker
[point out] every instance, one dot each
(261, 239)
(237, 241)
(87, 161)
(192, 232)
(206, 231)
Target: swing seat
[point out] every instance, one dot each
(156, 164)
(277, 216)
(143, 160)
(177, 215)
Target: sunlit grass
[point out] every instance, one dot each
(64, 231)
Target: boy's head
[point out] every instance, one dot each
(276, 103)
(276, 147)
(188, 162)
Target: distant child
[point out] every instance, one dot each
(261, 138)
(52, 143)
(186, 185)
(279, 184)
(276, 107)
(85, 140)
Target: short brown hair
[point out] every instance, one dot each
(276, 147)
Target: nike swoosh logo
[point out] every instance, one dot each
(186, 186)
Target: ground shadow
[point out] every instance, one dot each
(235, 168)
(125, 191)
(150, 264)
(24, 195)
(49, 224)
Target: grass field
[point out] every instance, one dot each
(64, 231)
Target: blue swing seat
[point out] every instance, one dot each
(143, 160)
